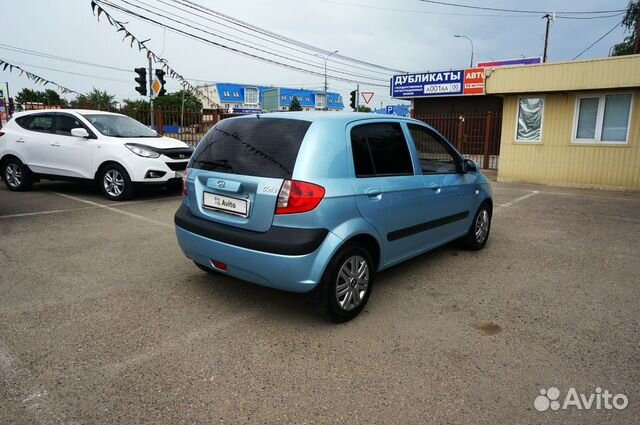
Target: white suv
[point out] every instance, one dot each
(113, 150)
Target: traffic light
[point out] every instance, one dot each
(141, 79)
(353, 98)
(160, 76)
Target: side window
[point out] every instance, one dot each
(43, 123)
(380, 149)
(24, 121)
(435, 155)
(66, 123)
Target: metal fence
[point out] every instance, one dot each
(477, 136)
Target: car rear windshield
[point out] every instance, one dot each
(263, 147)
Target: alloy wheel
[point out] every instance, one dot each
(113, 182)
(482, 226)
(352, 283)
(13, 174)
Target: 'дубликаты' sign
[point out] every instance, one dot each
(441, 83)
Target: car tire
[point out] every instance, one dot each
(343, 292)
(16, 175)
(114, 183)
(205, 268)
(479, 230)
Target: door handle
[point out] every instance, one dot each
(374, 193)
(21, 140)
(435, 187)
(55, 144)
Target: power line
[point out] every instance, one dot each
(597, 41)
(59, 58)
(73, 73)
(232, 49)
(277, 54)
(257, 36)
(496, 9)
(427, 12)
(272, 34)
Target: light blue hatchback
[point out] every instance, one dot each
(319, 201)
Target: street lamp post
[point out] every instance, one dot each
(470, 41)
(325, 76)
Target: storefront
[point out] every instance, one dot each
(570, 124)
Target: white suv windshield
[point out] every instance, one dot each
(119, 126)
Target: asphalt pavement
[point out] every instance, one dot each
(103, 320)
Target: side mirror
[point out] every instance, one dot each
(80, 132)
(470, 166)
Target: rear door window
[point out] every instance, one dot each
(380, 149)
(42, 123)
(262, 147)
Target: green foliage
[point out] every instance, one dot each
(362, 108)
(295, 104)
(630, 23)
(95, 99)
(47, 97)
(136, 109)
(174, 101)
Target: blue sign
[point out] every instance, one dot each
(443, 83)
(511, 62)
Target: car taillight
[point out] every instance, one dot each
(185, 191)
(298, 197)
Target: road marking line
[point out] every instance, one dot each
(96, 206)
(522, 198)
(110, 208)
(45, 212)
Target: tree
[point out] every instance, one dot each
(295, 104)
(136, 109)
(362, 108)
(48, 97)
(174, 101)
(630, 23)
(95, 99)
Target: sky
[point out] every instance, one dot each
(414, 36)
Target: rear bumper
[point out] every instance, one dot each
(289, 259)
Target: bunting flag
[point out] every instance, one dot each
(35, 78)
(164, 64)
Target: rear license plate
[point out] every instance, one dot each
(226, 204)
(179, 174)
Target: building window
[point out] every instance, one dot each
(251, 96)
(530, 114)
(321, 100)
(602, 119)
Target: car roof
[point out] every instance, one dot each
(77, 111)
(332, 116)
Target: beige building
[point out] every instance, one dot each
(571, 124)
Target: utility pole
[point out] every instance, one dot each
(325, 79)
(549, 18)
(151, 92)
(357, 97)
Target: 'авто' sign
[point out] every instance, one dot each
(443, 83)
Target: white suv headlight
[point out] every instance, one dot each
(142, 151)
